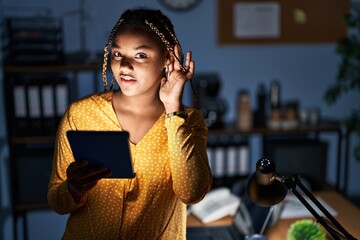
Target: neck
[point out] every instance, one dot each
(138, 104)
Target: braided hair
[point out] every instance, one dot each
(148, 20)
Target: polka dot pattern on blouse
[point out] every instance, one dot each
(171, 171)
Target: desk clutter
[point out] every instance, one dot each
(271, 111)
(249, 219)
(345, 211)
(225, 201)
(293, 208)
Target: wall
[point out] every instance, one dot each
(304, 71)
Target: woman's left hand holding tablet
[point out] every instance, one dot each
(81, 178)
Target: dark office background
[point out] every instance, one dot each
(304, 71)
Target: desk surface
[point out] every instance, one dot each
(348, 216)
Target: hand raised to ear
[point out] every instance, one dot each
(172, 86)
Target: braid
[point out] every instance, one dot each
(106, 55)
(172, 34)
(169, 47)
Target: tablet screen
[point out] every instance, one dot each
(110, 148)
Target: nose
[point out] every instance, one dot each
(125, 62)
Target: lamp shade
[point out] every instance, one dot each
(263, 188)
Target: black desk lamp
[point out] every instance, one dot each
(265, 191)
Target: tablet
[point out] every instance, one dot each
(110, 148)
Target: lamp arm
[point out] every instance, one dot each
(335, 229)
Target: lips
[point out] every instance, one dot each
(127, 79)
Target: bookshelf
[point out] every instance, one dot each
(312, 132)
(31, 145)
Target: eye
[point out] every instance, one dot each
(117, 54)
(141, 56)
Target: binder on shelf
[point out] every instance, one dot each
(20, 108)
(219, 154)
(244, 160)
(60, 101)
(35, 124)
(48, 108)
(38, 105)
(242, 155)
(232, 160)
(62, 98)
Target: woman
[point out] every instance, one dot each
(167, 140)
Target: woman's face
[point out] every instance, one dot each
(137, 62)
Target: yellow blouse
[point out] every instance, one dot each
(171, 168)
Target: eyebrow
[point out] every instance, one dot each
(137, 48)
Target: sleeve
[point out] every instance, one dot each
(59, 198)
(191, 173)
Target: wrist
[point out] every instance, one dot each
(174, 108)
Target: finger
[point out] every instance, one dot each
(192, 67)
(77, 176)
(176, 61)
(167, 71)
(93, 179)
(95, 170)
(74, 166)
(170, 67)
(191, 70)
(188, 60)
(100, 175)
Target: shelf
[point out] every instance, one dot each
(53, 68)
(324, 126)
(30, 139)
(31, 207)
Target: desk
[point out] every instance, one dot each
(348, 216)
